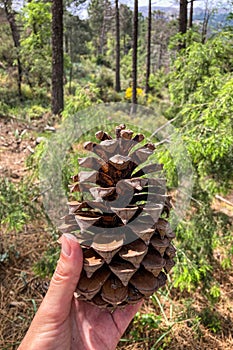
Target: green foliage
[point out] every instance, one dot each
(99, 12)
(35, 42)
(146, 321)
(75, 27)
(7, 50)
(46, 265)
(188, 273)
(8, 91)
(201, 88)
(215, 293)
(126, 62)
(157, 82)
(3, 108)
(126, 26)
(210, 319)
(34, 159)
(190, 37)
(104, 79)
(15, 207)
(197, 63)
(197, 239)
(83, 98)
(110, 95)
(208, 132)
(36, 111)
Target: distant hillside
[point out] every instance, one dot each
(217, 19)
(170, 11)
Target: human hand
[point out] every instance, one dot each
(65, 323)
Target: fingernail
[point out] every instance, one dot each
(65, 241)
(70, 236)
(65, 248)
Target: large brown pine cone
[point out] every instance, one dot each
(120, 221)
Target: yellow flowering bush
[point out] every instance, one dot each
(129, 93)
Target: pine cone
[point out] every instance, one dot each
(120, 221)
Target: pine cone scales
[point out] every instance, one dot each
(120, 221)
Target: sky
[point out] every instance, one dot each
(165, 3)
(157, 3)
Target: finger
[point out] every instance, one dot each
(65, 278)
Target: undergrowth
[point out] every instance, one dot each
(16, 204)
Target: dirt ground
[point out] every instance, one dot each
(21, 292)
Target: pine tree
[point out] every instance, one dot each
(10, 15)
(148, 49)
(191, 14)
(134, 58)
(183, 20)
(57, 57)
(117, 77)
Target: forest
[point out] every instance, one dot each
(167, 74)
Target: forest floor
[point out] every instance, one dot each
(186, 323)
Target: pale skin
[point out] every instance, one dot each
(64, 323)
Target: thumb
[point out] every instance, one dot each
(65, 278)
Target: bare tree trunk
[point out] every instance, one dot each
(71, 61)
(191, 14)
(70, 78)
(205, 23)
(183, 16)
(117, 77)
(147, 88)
(57, 57)
(124, 45)
(66, 37)
(103, 32)
(16, 39)
(160, 56)
(134, 58)
(183, 20)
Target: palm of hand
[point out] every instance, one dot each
(64, 323)
(87, 327)
(101, 330)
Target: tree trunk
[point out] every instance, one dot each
(16, 39)
(66, 38)
(205, 22)
(124, 44)
(191, 14)
(183, 20)
(57, 57)
(148, 49)
(160, 56)
(71, 62)
(103, 32)
(134, 58)
(117, 77)
(183, 16)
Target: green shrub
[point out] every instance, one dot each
(4, 109)
(27, 92)
(46, 265)
(104, 79)
(83, 98)
(102, 61)
(210, 319)
(36, 112)
(15, 206)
